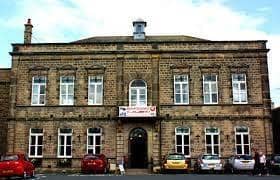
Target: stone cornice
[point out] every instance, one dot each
(137, 52)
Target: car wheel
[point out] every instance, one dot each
(33, 173)
(232, 170)
(24, 176)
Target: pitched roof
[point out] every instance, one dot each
(123, 39)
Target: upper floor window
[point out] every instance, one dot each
(242, 140)
(239, 88)
(212, 140)
(181, 89)
(66, 90)
(94, 140)
(64, 143)
(38, 90)
(95, 90)
(138, 93)
(182, 140)
(36, 143)
(210, 89)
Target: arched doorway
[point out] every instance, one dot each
(138, 148)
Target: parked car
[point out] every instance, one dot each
(175, 162)
(240, 163)
(208, 162)
(94, 163)
(273, 163)
(16, 165)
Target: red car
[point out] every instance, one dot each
(16, 165)
(94, 163)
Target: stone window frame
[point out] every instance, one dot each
(36, 145)
(67, 84)
(66, 70)
(181, 68)
(212, 69)
(239, 89)
(212, 134)
(240, 68)
(64, 135)
(242, 144)
(94, 135)
(95, 84)
(95, 70)
(39, 90)
(38, 71)
(210, 83)
(138, 89)
(183, 142)
(181, 83)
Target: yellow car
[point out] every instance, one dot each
(175, 162)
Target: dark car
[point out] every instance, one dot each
(273, 163)
(16, 165)
(94, 163)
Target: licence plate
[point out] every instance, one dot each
(7, 171)
(91, 163)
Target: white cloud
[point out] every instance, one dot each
(64, 21)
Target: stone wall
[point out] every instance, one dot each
(156, 64)
(4, 106)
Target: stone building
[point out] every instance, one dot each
(4, 107)
(137, 98)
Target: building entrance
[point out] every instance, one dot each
(138, 148)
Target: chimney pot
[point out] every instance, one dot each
(28, 21)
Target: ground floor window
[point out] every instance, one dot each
(65, 143)
(242, 140)
(212, 140)
(94, 140)
(182, 140)
(36, 143)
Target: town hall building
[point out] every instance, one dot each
(135, 98)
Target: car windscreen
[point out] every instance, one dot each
(9, 158)
(210, 157)
(276, 159)
(92, 157)
(244, 157)
(176, 157)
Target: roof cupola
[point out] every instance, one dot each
(139, 29)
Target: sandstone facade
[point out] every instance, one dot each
(4, 107)
(156, 60)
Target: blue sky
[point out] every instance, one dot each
(69, 20)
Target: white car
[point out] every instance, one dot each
(240, 163)
(208, 162)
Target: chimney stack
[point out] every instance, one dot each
(28, 32)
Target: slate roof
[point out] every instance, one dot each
(123, 39)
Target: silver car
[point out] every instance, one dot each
(240, 163)
(208, 162)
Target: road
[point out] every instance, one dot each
(153, 177)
